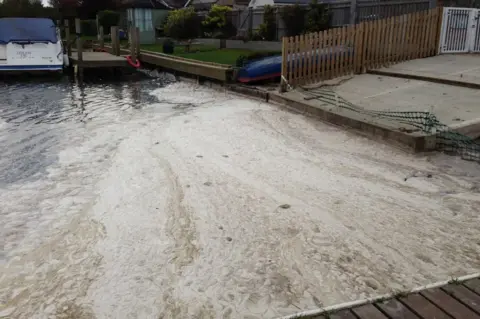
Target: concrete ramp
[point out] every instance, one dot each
(458, 70)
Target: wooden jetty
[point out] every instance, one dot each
(458, 300)
(81, 59)
(115, 57)
(98, 60)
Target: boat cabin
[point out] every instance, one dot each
(30, 44)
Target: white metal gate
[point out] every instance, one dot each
(460, 30)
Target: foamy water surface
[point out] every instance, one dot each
(154, 200)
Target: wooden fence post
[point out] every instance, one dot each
(367, 50)
(67, 38)
(439, 29)
(283, 84)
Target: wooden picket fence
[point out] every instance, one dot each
(325, 55)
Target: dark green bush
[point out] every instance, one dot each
(314, 18)
(108, 19)
(89, 28)
(217, 24)
(294, 19)
(268, 29)
(182, 24)
(318, 17)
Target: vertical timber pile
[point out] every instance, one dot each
(101, 37)
(78, 34)
(134, 44)
(67, 38)
(114, 34)
(137, 42)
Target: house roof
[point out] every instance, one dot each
(155, 4)
(300, 2)
(207, 4)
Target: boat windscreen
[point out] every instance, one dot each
(27, 30)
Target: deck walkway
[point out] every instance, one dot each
(455, 300)
(98, 60)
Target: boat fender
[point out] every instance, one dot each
(66, 61)
(135, 65)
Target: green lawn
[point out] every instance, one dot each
(203, 53)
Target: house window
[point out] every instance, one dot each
(140, 19)
(143, 19)
(130, 16)
(148, 20)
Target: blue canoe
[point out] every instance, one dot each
(271, 67)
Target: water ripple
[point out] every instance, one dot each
(36, 118)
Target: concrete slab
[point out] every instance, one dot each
(452, 105)
(464, 68)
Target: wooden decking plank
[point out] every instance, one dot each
(465, 295)
(473, 285)
(368, 312)
(449, 304)
(343, 314)
(396, 310)
(422, 307)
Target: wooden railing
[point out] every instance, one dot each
(320, 56)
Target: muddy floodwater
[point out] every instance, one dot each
(151, 199)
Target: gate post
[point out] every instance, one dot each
(283, 76)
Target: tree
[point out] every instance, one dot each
(65, 8)
(108, 19)
(216, 23)
(25, 8)
(85, 9)
(318, 17)
(294, 19)
(88, 9)
(182, 24)
(268, 29)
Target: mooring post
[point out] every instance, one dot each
(114, 34)
(101, 37)
(67, 38)
(78, 34)
(131, 38)
(137, 42)
(112, 39)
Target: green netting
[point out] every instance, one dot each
(446, 140)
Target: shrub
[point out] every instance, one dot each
(217, 24)
(89, 27)
(294, 19)
(318, 17)
(108, 19)
(182, 24)
(268, 29)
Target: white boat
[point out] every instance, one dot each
(30, 44)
